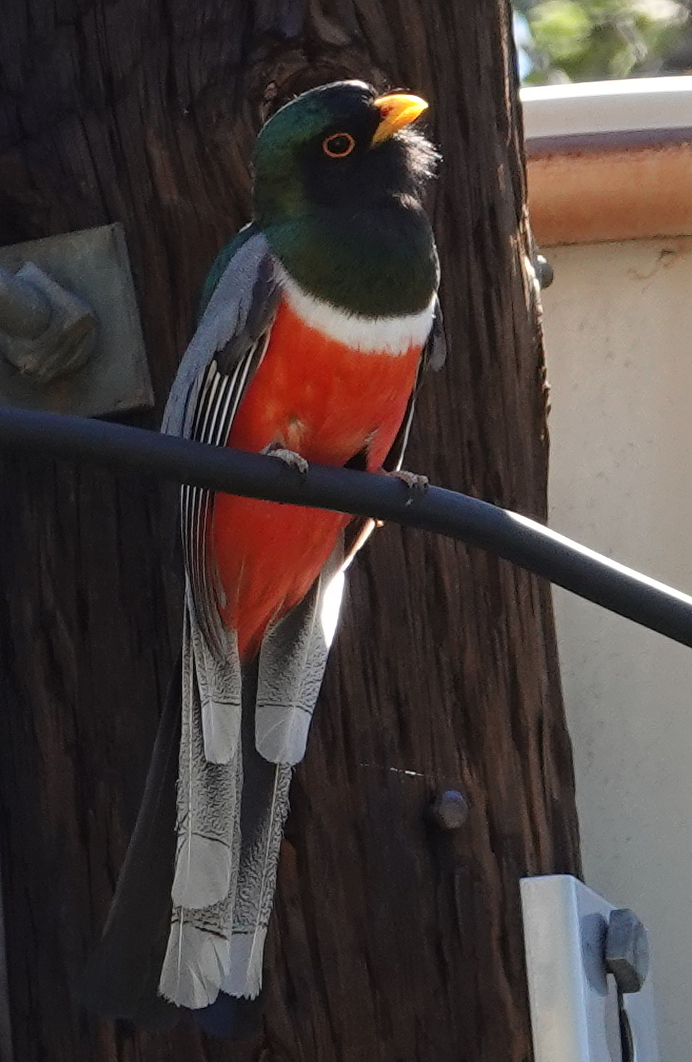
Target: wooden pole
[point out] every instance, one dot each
(393, 937)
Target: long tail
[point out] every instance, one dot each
(279, 695)
(219, 947)
(264, 810)
(194, 899)
(207, 856)
(237, 1012)
(121, 977)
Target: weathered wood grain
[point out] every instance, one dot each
(392, 940)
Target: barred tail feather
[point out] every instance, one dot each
(202, 873)
(228, 847)
(194, 966)
(265, 807)
(257, 883)
(208, 806)
(245, 965)
(198, 953)
(291, 666)
(219, 683)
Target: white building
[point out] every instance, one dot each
(610, 181)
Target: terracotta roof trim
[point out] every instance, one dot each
(598, 143)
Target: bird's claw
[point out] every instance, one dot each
(416, 483)
(289, 457)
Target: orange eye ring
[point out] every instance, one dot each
(338, 145)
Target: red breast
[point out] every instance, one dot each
(328, 402)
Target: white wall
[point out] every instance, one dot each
(618, 334)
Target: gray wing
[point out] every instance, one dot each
(223, 355)
(240, 309)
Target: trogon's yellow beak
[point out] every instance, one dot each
(397, 110)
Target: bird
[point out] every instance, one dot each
(317, 324)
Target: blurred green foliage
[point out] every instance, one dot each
(592, 40)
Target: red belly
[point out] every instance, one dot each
(313, 395)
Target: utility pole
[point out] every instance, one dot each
(439, 767)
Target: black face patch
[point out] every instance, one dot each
(355, 173)
(328, 170)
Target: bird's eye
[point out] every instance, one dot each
(338, 145)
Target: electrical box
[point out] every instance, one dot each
(579, 1010)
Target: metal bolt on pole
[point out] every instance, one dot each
(45, 331)
(25, 311)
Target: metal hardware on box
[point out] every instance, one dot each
(70, 337)
(626, 950)
(587, 962)
(45, 331)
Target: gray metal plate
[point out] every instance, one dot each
(93, 264)
(574, 1012)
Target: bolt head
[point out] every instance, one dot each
(449, 810)
(544, 272)
(627, 950)
(64, 345)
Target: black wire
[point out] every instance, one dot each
(514, 537)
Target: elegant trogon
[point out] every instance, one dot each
(317, 322)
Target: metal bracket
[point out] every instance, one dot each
(70, 336)
(587, 963)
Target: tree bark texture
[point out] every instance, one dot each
(393, 940)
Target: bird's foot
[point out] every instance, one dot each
(417, 484)
(289, 457)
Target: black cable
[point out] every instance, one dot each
(514, 537)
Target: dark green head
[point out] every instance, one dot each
(323, 150)
(338, 182)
